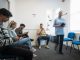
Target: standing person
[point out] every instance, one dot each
(42, 35)
(59, 25)
(8, 49)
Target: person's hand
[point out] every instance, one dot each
(20, 37)
(17, 37)
(63, 24)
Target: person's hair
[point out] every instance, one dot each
(22, 25)
(5, 12)
(12, 23)
(60, 11)
(41, 24)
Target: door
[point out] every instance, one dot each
(4, 4)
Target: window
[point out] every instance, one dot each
(75, 15)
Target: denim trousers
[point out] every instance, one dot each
(23, 41)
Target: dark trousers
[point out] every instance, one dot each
(59, 41)
(44, 38)
(23, 53)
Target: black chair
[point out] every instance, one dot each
(4, 57)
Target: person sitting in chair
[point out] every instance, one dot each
(21, 35)
(19, 42)
(8, 49)
(42, 35)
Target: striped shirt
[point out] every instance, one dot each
(5, 38)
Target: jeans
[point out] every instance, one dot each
(59, 41)
(23, 41)
(43, 37)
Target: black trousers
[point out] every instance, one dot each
(59, 41)
(23, 53)
(43, 37)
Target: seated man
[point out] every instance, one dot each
(8, 48)
(20, 34)
(42, 35)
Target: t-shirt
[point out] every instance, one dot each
(20, 33)
(59, 30)
(41, 32)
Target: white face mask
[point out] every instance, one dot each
(5, 24)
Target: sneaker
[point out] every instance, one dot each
(47, 47)
(33, 49)
(39, 47)
(34, 55)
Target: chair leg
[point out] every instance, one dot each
(78, 47)
(71, 48)
(67, 45)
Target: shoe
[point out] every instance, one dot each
(33, 49)
(61, 53)
(47, 47)
(34, 55)
(39, 47)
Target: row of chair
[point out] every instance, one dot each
(70, 37)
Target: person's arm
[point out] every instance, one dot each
(13, 35)
(44, 31)
(56, 25)
(23, 34)
(38, 32)
(20, 33)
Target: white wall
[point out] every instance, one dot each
(25, 9)
(12, 8)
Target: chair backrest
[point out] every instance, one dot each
(79, 38)
(71, 35)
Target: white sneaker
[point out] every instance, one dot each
(33, 49)
(39, 47)
(34, 55)
(47, 47)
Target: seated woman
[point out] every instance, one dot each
(19, 41)
(42, 35)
